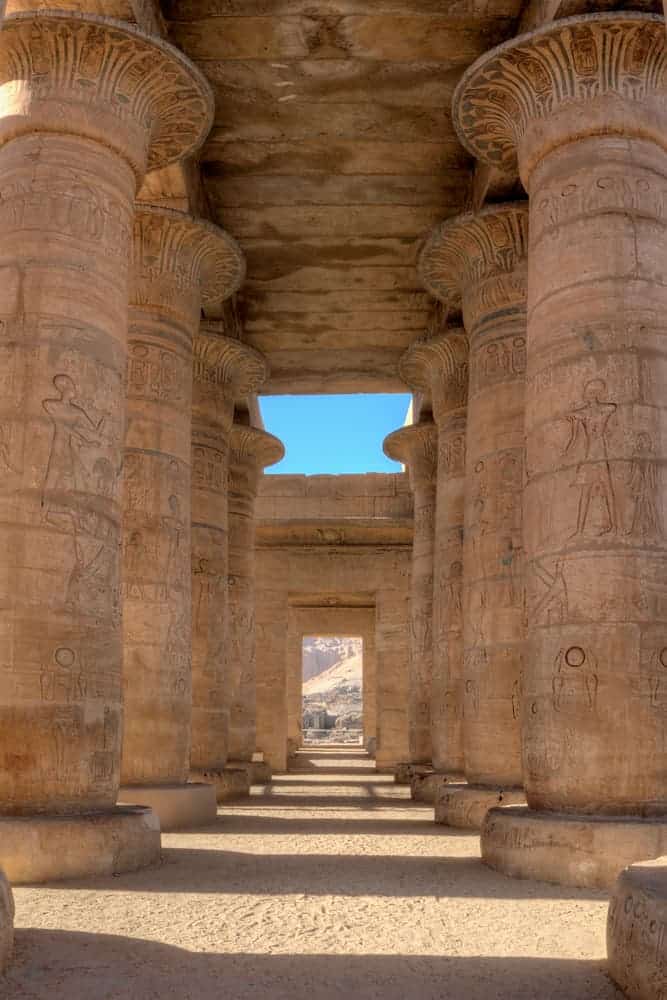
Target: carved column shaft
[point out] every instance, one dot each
(482, 258)
(590, 133)
(79, 112)
(224, 369)
(416, 447)
(440, 365)
(175, 258)
(252, 450)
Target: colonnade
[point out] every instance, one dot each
(116, 424)
(562, 300)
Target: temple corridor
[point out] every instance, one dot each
(330, 882)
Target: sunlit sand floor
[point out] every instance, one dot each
(329, 883)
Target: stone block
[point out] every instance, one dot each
(636, 921)
(428, 787)
(465, 806)
(51, 848)
(179, 807)
(568, 849)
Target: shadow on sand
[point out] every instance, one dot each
(62, 965)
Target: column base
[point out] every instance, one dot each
(52, 848)
(636, 942)
(465, 806)
(585, 851)
(178, 807)
(6, 923)
(229, 782)
(428, 787)
(260, 773)
(405, 771)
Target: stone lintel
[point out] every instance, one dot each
(179, 807)
(112, 83)
(325, 533)
(569, 849)
(51, 848)
(594, 75)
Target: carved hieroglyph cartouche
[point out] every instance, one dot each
(178, 262)
(86, 105)
(416, 446)
(223, 369)
(584, 103)
(252, 450)
(480, 261)
(440, 366)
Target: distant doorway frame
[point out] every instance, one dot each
(328, 736)
(330, 621)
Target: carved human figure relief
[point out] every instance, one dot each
(589, 425)
(207, 581)
(575, 681)
(174, 525)
(643, 486)
(74, 433)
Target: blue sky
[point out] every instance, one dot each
(334, 434)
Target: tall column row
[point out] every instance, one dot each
(88, 107)
(580, 106)
(113, 469)
(478, 263)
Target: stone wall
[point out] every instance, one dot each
(329, 543)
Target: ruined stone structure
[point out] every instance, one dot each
(360, 529)
(204, 200)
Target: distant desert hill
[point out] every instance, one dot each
(344, 673)
(322, 652)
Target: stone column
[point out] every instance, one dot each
(479, 261)
(416, 447)
(6, 923)
(439, 367)
(178, 263)
(252, 451)
(88, 105)
(581, 103)
(224, 370)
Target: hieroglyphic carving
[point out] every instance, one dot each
(575, 681)
(566, 62)
(154, 373)
(209, 469)
(589, 425)
(439, 364)
(643, 486)
(99, 64)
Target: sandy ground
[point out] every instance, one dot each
(327, 884)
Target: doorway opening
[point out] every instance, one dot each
(332, 690)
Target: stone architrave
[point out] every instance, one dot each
(224, 369)
(439, 366)
(88, 106)
(416, 447)
(252, 450)
(581, 105)
(479, 261)
(178, 264)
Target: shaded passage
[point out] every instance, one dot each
(330, 881)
